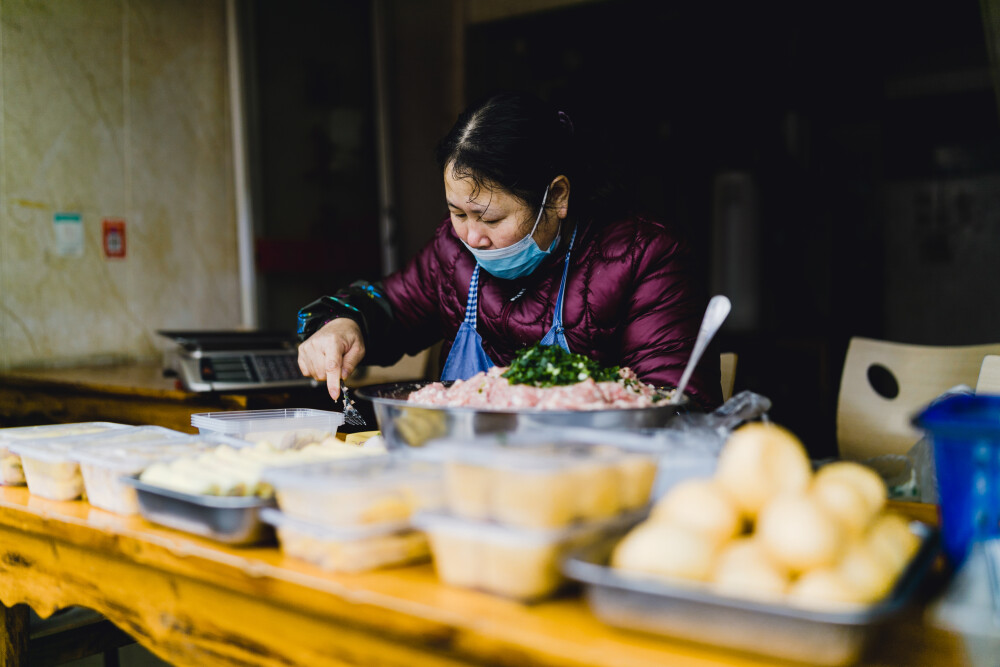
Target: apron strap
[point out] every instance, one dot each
(557, 320)
(472, 303)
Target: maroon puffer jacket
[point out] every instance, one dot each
(630, 301)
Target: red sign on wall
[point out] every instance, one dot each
(114, 237)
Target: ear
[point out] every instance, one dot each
(559, 195)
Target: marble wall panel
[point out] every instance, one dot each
(113, 109)
(181, 171)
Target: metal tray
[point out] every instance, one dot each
(693, 613)
(410, 424)
(230, 519)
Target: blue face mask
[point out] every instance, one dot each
(516, 260)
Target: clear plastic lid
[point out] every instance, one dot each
(495, 533)
(280, 520)
(374, 472)
(61, 449)
(524, 452)
(48, 431)
(239, 422)
(132, 457)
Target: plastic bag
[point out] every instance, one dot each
(689, 445)
(970, 605)
(921, 458)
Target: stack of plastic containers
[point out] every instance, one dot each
(106, 463)
(278, 438)
(52, 466)
(354, 515)
(291, 428)
(516, 504)
(219, 493)
(11, 469)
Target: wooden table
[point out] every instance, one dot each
(140, 394)
(194, 602)
(129, 394)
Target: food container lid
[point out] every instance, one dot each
(59, 450)
(47, 431)
(130, 458)
(495, 533)
(524, 452)
(279, 520)
(374, 472)
(962, 416)
(245, 421)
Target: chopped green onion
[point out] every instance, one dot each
(551, 365)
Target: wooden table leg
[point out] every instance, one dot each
(14, 636)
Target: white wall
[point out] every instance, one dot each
(113, 108)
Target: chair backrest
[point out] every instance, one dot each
(884, 384)
(727, 364)
(989, 375)
(420, 366)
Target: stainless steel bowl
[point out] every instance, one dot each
(405, 424)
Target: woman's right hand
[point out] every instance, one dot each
(332, 353)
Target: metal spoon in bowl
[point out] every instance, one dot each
(715, 315)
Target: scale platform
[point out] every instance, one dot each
(235, 360)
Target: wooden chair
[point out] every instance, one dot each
(421, 366)
(989, 375)
(884, 384)
(727, 364)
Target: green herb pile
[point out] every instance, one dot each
(551, 366)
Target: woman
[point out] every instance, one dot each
(532, 251)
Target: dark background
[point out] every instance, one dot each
(864, 136)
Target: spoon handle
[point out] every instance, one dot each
(715, 315)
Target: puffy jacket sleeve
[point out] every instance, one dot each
(662, 321)
(415, 293)
(400, 315)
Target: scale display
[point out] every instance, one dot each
(235, 360)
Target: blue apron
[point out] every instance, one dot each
(467, 356)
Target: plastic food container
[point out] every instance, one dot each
(285, 429)
(238, 470)
(230, 519)
(103, 465)
(348, 549)
(51, 468)
(11, 470)
(521, 564)
(531, 482)
(355, 492)
(694, 613)
(965, 435)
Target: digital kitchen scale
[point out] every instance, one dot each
(235, 360)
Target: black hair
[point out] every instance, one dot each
(520, 143)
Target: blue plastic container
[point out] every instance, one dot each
(965, 433)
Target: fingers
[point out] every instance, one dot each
(304, 363)
(332, 353)
(332, 372)
(312, 360)
(351, 359)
